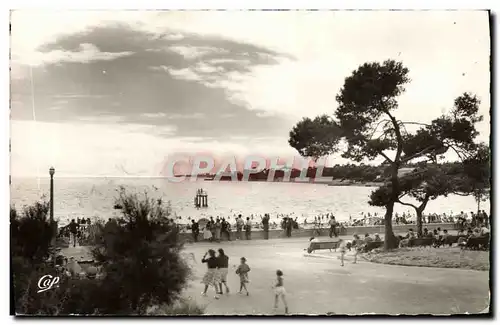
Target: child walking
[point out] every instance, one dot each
(242, 271)
(279, 291)
(343, 249)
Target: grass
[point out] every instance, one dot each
(452, 257)
(179, 308)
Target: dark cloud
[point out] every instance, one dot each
(131, 89)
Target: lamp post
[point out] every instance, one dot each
(52, 224)
(52, 172)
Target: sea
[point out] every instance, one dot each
(95, 198)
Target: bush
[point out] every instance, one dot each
(30, 244)
(179, 308)
(31, 232)
(139, 255)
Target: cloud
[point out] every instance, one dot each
(191, 80)
(85, 54)
(109, 149)
(153, 115)
(193, 52)
(188, 116)
(154, 87)
(78, 96)
(174, 37)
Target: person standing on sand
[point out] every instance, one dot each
(212, 227)
(225, 230)
(217, 230)
(239, 226)
(333, 226)
(289, 223)
(207, 234)
(195, 230)
(248, 229)
(265, 225)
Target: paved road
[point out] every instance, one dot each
(321, 285)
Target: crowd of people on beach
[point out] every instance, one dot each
(255, 221)
(240, 228)
(217, 273)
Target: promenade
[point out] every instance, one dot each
(318, 285)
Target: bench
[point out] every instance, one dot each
(476, 243)
(421, 242)
(314, 246)
(373, 245)
(450, 240)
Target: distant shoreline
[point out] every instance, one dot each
(334, 182)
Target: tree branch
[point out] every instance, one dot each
(415, 123)
(385, 156)
(399, 138)
(402, 195)
(424, 202)
(421, 153)
(376, 127)
(460, 194)
(408, 204)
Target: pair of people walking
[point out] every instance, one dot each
(217, 269)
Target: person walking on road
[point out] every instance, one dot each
(222, 269)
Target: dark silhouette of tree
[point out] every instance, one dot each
(476, 178)
(139, 254)
(365, 120)
(140, 257)
(425, 183)
(31, 233)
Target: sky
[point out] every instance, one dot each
(119, 93)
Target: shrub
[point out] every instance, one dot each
(30, 245)
(140, 256)
(31, 232)
(179, 308)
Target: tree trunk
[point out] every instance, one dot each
(419, 222)
(390, 240)
(478, 199)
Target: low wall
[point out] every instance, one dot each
(361, 230)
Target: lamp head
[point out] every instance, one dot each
(52, 171)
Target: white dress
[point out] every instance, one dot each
(207, 234)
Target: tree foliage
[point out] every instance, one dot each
(476, 173)
(365, 120)
(140, 255)
(31, 232)
(315, 138)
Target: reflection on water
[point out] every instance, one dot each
(89, 197)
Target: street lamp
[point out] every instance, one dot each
(52, 224)
(52, 172)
